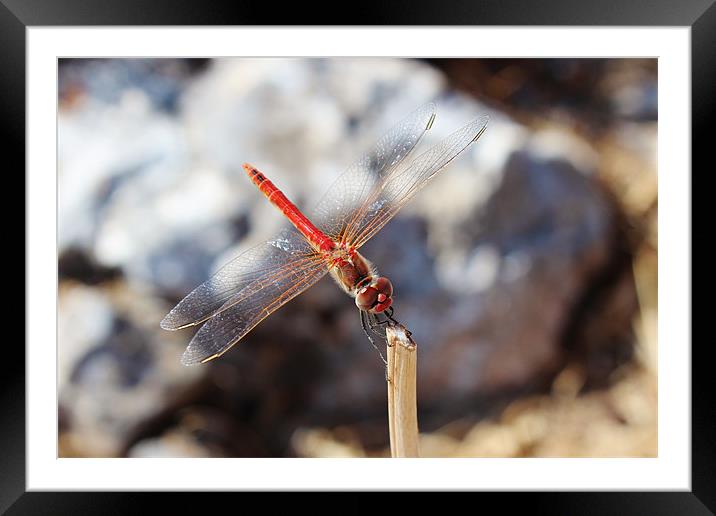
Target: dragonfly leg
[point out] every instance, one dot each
(372, 342)
(390, 320)
(389, 315)
(374, 323)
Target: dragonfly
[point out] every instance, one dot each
(355, 207)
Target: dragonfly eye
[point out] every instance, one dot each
(366, 298)
(377, 297)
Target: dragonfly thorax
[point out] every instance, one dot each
(359, 278)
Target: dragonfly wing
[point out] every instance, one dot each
(402, 184)
(270, 261)
(226, 328)
(341, 204)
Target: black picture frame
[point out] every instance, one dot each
(17, 15)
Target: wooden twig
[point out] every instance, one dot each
(402, 402)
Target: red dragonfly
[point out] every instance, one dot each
(360, 202)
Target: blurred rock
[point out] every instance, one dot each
(592, 93)
(202, 432)
(76, 264)
(172, 444)
(322, 443)
(116, 371)
(107, 80)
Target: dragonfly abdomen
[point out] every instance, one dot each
(276, 197)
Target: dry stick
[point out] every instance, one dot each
(402, 402)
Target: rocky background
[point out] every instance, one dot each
(526, 271)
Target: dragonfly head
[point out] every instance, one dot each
(376, 297)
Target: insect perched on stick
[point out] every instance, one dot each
(358, 204)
